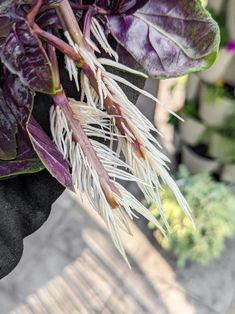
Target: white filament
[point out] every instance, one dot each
(149, 172)
(86, 179)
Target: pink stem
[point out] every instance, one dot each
(33, 13)
(79, 136)
(57, 43)
(114, 109)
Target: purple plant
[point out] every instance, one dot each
(157, 38)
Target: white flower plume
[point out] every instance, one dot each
(105, 112)
(108, 197)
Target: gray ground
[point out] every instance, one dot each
(71, 266)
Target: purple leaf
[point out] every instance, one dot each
(48, 18)
(6, 23)
(127, 6)
(25, 162)
(175, 37)
(17, 167)
(15, 108)
(23, 55)
(8, 130)
(49, 154)
(18, 97)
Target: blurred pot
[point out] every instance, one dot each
(222, 148)
(192, 86)
(191, 130)
(230, 18)
(196, 163)
(228, 173)
(217, 70)
(214, 111)
(216, 5)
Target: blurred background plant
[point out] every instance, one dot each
(212, 205)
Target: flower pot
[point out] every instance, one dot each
(216, 5)
(230, 18)
(214, 111)
(222, 148)
(191, 130)
(192, 87)
(177, 141)
(229, 76)
(197, 163)
(228, 173)
(217, 71)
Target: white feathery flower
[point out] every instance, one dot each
(145, 161)
(97, 182)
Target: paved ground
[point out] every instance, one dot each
(70, 266)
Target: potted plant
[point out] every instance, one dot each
(222, 147)
(192, 89)
(213, 209)
(230, 17)
(192, 128)
(216, 104)
(216, 5)
(197, 159)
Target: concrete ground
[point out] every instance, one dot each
(70, 266)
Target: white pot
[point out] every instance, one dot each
(216, 5)
(230, 18)
(192, 86)
(191, 130)
(228, 173)
(214, 113)
(196, 163)
(220, 147)
(229, 76)
(218, 69)
(177, 141)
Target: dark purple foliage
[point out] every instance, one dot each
(49, 154)
(174, 37)
(121, 6)
(23, 54)
(8, 130)
(18, 97)
(163, 37)
(26, 160)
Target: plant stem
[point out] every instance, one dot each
(80, 137)
(68, 18)
(57, 43)
(114, 109)
(34, 11)
(55, 66)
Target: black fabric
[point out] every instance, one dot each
(26, 200)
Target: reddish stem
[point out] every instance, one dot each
(34, 11)
(57, 43)
(55, 66)
(114, 109)
(68, 19)
(79, 136)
